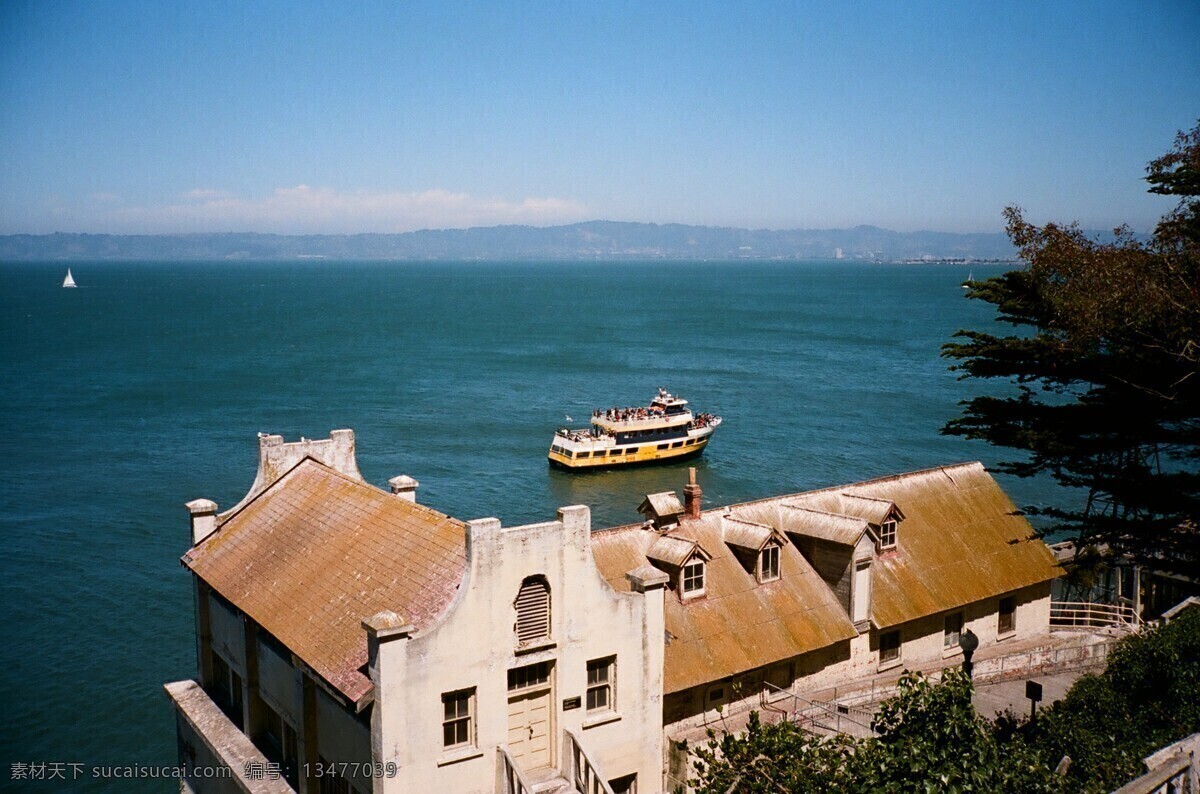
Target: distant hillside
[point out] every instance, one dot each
(591, 240)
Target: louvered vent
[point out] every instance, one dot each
(533, 610)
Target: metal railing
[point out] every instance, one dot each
(510, 780)
(579, 769)
(836, 717)
(1092, 615)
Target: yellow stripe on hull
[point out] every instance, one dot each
(646, 453)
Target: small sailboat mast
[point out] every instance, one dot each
(68, 281)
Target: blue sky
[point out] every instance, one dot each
(297, 117)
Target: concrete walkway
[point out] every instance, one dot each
(991, 699)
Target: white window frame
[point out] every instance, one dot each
(887, 534)
(763, 575)
(467, 695)
(606, 685)
(694, 590)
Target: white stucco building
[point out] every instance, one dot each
(350, 639)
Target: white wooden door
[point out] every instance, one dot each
(529, 729)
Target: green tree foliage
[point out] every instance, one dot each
(1147, 697)
(931, 740)
(1103, 355)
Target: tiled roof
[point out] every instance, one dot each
(673, 550)
(317, 552)
(738, 624)
(662, 504)
(833, 527)
(962, 540)
(747, 534)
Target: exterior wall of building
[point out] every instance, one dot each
(474, 646)
(341, 737)
(228, 634)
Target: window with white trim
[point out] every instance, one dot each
(601, 678)
(768, 563)
(533, 610)
(693, 578)
(887, 534)
(458, 719)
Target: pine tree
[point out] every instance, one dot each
(1103, 356)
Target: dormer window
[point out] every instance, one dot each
(887, 534)
(693, 578)
(768, 564)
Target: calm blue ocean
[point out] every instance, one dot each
(145, 388)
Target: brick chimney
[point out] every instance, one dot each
(691, 496)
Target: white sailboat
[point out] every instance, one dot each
(970, 278)
(68, 281)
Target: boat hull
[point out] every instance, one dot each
(645, 455)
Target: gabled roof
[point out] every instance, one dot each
(833, 527)
(316, 552)
(748, 534)
(675, 551)
(661, 504)
(847, 503)
(738, 624)
(962, 541)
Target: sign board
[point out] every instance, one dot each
(1033, 691)
(571, 703)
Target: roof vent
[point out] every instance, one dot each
(405, 487)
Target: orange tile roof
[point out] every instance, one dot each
(317, 552)
(961, 540)
(738, 624)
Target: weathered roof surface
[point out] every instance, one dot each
(663, 504)
(747, 534)
(317, 552)
(833, 527)
(672, 550)
(846, 503)
(961, 540)
(738, 624)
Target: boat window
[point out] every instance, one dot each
(583, 454)
(677, 444)
(663, 446)
(632, 451)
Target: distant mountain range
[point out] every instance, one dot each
(602, 240)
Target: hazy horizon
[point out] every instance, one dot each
(302, 118)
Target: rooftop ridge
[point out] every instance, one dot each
(827, 489)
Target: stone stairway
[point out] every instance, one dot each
(549, 781)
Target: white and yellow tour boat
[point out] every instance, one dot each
(663, 432)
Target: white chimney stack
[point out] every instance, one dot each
(405, 487)
(204, 518)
